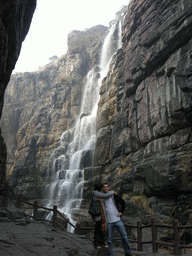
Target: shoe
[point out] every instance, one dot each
(98, 247)
(106, 246)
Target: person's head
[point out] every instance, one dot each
(97, 187)
(105, 187)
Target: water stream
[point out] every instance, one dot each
(77, 144)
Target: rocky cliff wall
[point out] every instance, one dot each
(158, 95)
(15, 19)
(153, 119)
(40, 106)
(146, 125)
(144, 141)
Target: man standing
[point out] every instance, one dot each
(114, 207)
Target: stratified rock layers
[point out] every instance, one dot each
(149, 138)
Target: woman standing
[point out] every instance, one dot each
(100, 233)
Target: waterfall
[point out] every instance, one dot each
(66, 168)
(119, 36)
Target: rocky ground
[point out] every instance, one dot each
(21, 237)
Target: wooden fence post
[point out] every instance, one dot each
(6, 194)
(35, 208)
(139, 236)
(176, 237)
(154, 235)
(55, 216)
(78, 229)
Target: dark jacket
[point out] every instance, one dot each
(120, 203)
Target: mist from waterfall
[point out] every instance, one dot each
(67, 164)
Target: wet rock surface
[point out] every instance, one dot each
(40, 239)
(20, 235)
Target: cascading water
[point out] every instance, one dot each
(67, 171)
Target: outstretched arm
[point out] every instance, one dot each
(103, 195)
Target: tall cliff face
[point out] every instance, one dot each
(152, 127)
(15, 19)
(144, 141)
(40, 106)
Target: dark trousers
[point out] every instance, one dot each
(100, 237)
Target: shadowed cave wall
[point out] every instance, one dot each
(15, 19)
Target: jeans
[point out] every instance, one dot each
(121, 228)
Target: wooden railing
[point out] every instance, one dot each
(35, 208)
(139, 227)
(154, 241)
